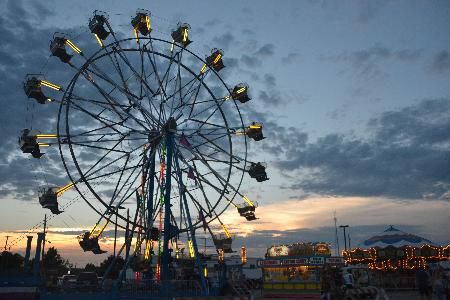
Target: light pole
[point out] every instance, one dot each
(116, 211)
(345, 236)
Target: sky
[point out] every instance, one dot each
(353, 96)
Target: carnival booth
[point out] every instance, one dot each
(394, 256)
(296, 269)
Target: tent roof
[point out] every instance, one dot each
(395, 237)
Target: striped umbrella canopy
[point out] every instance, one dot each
(396, 238)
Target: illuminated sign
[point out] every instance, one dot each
(278, 251)
(316, 260)
(335, 260)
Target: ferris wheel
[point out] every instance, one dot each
(149, 125)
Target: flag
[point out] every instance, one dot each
(184, 141)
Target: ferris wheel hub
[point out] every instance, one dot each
(169, 127)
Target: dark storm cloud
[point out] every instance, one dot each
(253, 59)
(366, 61)
(224, 41)
(441, 62)
(26, 50)
(405, 155)
(250, 61)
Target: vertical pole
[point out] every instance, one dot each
(345, 239)
(43, 241)
(192, 229)
(37, 256)
(127, 234)
(150, 195)
(27, 253)
(349, 239)
(6, 242)
(336, 236)
(45, 231)
(345, 235)
(165, 276)
(115, 232)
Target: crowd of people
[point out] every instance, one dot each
(433, 283)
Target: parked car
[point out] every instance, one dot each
(87, 281)
(67, 282)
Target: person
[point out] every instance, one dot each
(348, 279)
(422, 282)
(437, 282)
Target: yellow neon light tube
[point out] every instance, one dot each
(255, 126)
(50, 85)
(216, 60)
(185, 35)
(147, 249)
(225, 230)
(241, 90)
(98, 40)
(191, 249)
(203, 70)
(103, 228)
(64, 189)
(136, 35)
(147, 20)
(43, 145)
(72, 45)
(93, 229)
(46, 136)
(249, 202)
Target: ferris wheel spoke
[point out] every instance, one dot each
(197, 91)
(99, 103)
(91, 179)
(109, 80)
(97, 116)
(210, 207)
(126, 182)
(98, 147)
(111, 162)
(222, 180)
(214, 172)
(127, 196)
(108, 141)
(179, 91)
(112, 101)
(182, 188)
(211, 144)
(177, 82)
(201, 124)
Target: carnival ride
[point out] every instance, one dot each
(147, 124)
(394, 250)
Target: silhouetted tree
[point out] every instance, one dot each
(10, 262)
(90, 268)
(53, 260)
(115, 269)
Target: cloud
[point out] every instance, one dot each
(404, 155)
(250, 61)
(266, 50)
(367, 61)
(224, 41)
(290, 58)
(441, 62)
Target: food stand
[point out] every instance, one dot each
(296, 269)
